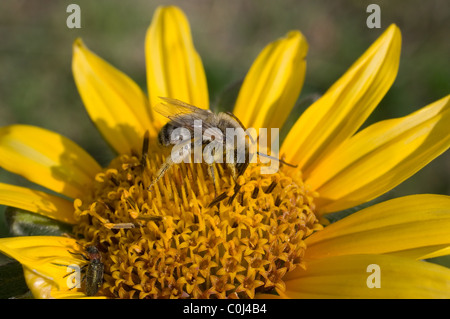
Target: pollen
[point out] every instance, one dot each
(170, 242)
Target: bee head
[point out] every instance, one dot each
(165, 134)
(171, 134)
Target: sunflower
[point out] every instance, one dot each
(273, 238)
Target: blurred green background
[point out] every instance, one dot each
(37, 87)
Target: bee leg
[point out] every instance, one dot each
(235, 173)
(213, 177)
(162, 170)
(218, 199)
(185, 146)
(232, 168)
(237, 187)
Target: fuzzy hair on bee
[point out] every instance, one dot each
(190, 127)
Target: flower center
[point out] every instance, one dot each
(170, 242)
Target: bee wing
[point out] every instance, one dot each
(182, 113)
(186, 115)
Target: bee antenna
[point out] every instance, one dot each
(277, 159)
(253, 141)
(242, 125)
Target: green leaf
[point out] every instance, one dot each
(12, 282)
(24, 223)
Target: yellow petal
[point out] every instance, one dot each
(381, 156)
(413, 226)
(425, 252)
(37, 202)
(40, 287)
(39, 254)
(273, 83)
(47, 158)
(348, 277)
(174, 68)
(339, 113)
(115, 103)
(443, 251)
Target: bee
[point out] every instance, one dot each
(93, 270)
(202, 129)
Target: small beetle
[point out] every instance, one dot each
(93, 270)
